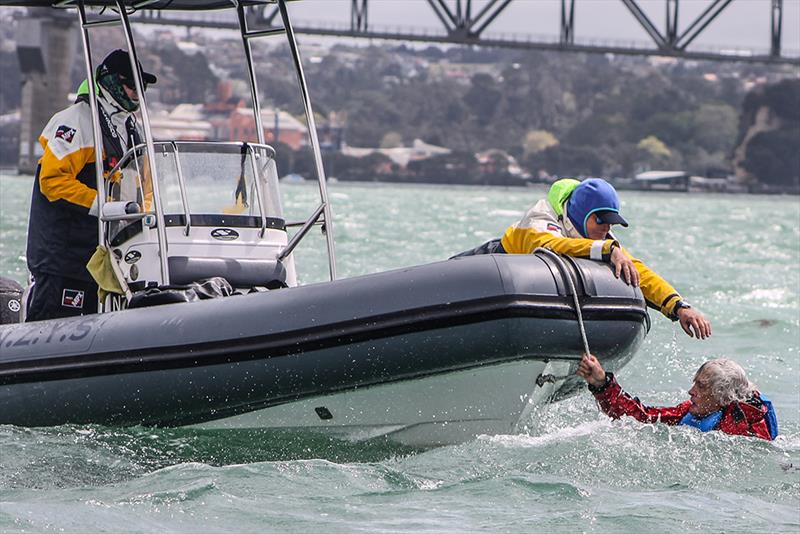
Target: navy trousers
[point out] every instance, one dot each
(54, 296)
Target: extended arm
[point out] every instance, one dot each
(526, 240)
(615, 402)
(660, 295)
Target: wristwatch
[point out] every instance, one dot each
(681, 304)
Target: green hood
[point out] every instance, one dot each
(560, 192)
(83, 88)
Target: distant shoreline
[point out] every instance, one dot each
(756, 189)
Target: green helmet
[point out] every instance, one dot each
(560, 192)
(83, 88)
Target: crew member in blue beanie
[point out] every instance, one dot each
(575, 220)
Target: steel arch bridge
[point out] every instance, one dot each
(462, 22)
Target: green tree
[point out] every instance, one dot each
(715, 127)
(567, 160)
(672, 128)
(655, 147)
(784, 99)
(597, 129)
(772, 157)
(483, 97)
(456, 167)
(392, 140)
(538, 140)
(189, 74)
(364, 169)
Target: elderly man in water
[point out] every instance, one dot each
(721, 398)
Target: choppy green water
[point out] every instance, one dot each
(735, 257)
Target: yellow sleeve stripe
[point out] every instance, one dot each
(526, 240)
(58, 177)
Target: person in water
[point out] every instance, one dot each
(62, 232)
(721, 398)
(575, 220)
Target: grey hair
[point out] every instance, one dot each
(727, 380)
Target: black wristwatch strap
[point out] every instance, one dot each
(681, 304)
(607, 257)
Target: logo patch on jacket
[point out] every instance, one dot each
(66, 133)
(553, 227)
(72, 298)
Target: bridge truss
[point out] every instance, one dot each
(463, 23)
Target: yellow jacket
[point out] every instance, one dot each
(542, 227)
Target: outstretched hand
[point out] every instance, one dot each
(591, 370)
(694, 323)
(624, 266)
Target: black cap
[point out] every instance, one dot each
(119, 62)
(611, 217)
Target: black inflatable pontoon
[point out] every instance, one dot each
(466, 337)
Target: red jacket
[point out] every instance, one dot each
(738, 418)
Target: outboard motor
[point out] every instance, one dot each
(10, 301)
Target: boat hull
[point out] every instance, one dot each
(427, 355)
(435, 410)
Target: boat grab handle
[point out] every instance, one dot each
(562, 267)
(302, 232)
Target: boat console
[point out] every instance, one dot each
(220, 210)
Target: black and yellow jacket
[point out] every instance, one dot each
(62, 235)
(549, 227)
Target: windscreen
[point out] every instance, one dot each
(203, 179)
(217, 179)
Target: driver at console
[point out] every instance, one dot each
(63, 228)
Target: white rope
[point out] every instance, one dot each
(562, 267)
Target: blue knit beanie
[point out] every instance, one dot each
(591, 196)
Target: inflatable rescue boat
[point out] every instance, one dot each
(425, 355)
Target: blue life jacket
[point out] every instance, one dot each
(711, 421)
(770, 417)
(705, 424)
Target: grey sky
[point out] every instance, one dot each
(743, 24)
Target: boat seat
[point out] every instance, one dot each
(238, 272)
